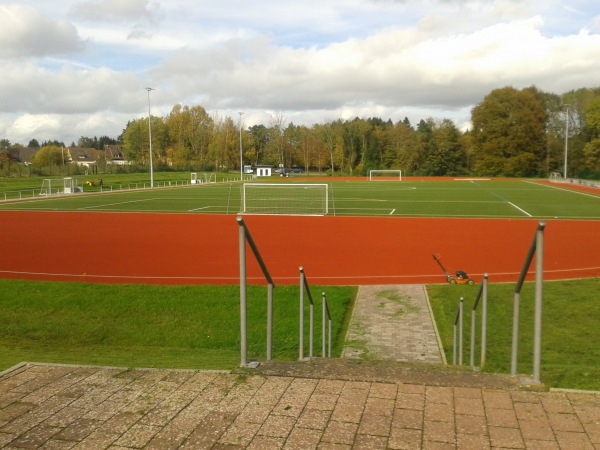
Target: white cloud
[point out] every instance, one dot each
(312, 61)
(25, 33)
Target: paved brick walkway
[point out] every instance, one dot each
(319, 404)
(393, 322)
(57, 407)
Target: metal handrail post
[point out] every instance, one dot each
(480, 294)
(515, 333)
(458, 322)
(246, 237)
(323, 318)
(270, 322)
(516, 301)
(484, 321)
(460, 348)
(243, 298)
(539, 281)
(301, 339)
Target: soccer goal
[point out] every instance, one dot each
(285, 198)
(385, 175)
(58, 186)
(197, 178)
(556, 177)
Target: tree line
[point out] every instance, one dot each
(515, 132)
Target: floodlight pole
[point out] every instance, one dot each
(566, 141)
(150, 136)
(241, 158)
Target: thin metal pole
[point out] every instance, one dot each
(150, 136)
(243, 293)
(270, 322)
(515, 333)
(301, 344)
(537, 328)
(241, 158)
(484, 321)
(472, 349)
(566, 141)
(460, 354)
(324, 303)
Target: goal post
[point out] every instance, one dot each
(385, 175)
(285, 198)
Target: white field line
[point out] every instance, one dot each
(198, 209)
(520, 209)
(393, 211)
(572, 191)
(118, 203)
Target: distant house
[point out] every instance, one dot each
(114, 155)
(85, 157)
(21, 154)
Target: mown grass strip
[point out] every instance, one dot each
(570, 330)
(194, 327)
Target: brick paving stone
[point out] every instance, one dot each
(565, 422)
(408, 418)
(570, 440)
(506, 437)
(368, 442)
(497, 399)
(536, 430)
(502, 418)
(340, 432)
(315, 419)
(404, 439)
(303, 439)
(472, 441)
(466, 424)
(439, 432)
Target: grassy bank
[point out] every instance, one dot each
(570, 330)
(194, 327)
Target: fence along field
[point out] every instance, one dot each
(458, 199)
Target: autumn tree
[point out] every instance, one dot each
(509, 133)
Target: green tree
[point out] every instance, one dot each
(48, 156)
(507, 124)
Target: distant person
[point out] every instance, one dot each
(100, 182)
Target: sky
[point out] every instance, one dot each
(82, 67)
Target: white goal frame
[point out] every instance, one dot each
(385, 175)
(297, 199)
(556, 177)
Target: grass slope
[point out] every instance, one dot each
(570, 330)
(153, 326)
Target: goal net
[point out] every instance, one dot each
(385, 175)
(285, 198)
(59, 186)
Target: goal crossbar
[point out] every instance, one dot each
(385, 175)
(285, 198)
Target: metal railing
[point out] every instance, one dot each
(245, 237)
(537, 250)
(326, 333)
(326, 320)
(311, 331)
(481, 295)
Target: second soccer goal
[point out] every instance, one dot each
(285, 198)
(385, 175)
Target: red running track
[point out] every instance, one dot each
(203, 249)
